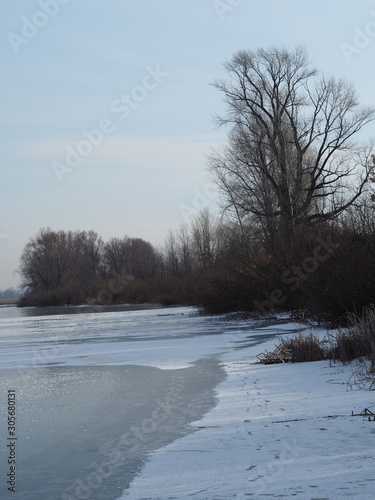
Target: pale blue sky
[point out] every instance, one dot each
(73, 72)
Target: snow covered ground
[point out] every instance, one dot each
(278, 431)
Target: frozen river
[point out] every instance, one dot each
(97, 392)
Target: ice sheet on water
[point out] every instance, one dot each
(165, 338)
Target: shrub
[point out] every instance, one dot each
(305, 348)
(358, 341)
(300, 348)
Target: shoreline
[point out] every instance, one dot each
(106, 419)
(9, 302)
(277, 430)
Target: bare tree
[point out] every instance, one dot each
(53, 259)
(115, 257)
(46, 261)
(88, 256)
(143, 261)
(291, 158)
(206, 238)
(171, 253)
(131, 258)
(184, 248)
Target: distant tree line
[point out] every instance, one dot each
(213, 264)
(10, 293)
(297, 229)
(75, 267)
(66, 267)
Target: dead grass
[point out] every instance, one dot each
(357, 342)
(306, 347)
(4, 302)
(298, 349)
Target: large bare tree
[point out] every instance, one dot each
(291, 158)
(115, 257)
(53, 259)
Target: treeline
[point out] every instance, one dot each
(66, 267)
(326, 271)
(10, 293)
(212, 264)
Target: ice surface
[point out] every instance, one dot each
(164, 338)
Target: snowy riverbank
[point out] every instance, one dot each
(278, 431)
(123, 403)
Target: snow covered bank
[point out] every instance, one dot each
(281, 431)
(278, 431)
